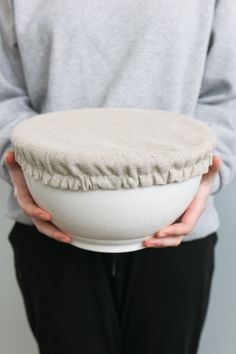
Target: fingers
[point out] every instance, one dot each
(39, 216)
(173, 241)
(9, 157)
(208, 178)
(184, 225)
(187, 223)
(216, 164)
(21, 192)
(50, 230)
(173, 234)
(29, 207)
(188, 220)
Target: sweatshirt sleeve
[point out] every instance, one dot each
(14, 101)
(217, 100)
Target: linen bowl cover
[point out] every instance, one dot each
(112, 148)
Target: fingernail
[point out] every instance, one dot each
(44, 216)
(65, 239)
(148, 244)
(162, 235)
(6, 157)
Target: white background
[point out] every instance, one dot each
(219, 335)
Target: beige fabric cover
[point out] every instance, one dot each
(112, 148)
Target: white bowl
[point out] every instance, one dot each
(114, 220)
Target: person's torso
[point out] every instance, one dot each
(136, 53)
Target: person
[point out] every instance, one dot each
(172, 56)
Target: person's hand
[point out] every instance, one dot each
(39, 216)
(173, 235)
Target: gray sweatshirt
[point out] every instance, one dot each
(158, 54)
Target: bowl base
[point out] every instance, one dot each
(108, 248)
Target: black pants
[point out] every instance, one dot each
(151, 301)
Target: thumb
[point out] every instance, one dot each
(216, 164)
(208, 177)
(9, 159)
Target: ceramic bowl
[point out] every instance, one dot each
(114, 220)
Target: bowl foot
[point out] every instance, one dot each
(108, 248)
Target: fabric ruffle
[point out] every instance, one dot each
(85, 182)
(112, 148)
